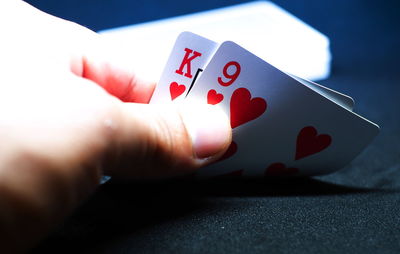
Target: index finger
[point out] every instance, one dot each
(101, 64)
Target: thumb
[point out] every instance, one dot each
(166, 140)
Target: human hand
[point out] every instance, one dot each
(68, 114)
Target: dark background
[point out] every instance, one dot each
(353, 210)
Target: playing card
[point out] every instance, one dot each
(339, 98)
(188, 58)
(280, 126)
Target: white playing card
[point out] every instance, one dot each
(280, 126)
(188, 58)
(339, 98)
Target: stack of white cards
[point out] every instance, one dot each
(282, 125)
(261, 27)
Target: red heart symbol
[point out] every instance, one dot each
(232, 149)
(175, 90)
(279, 169)
(213, 97)
(244, 109)
(309, 142)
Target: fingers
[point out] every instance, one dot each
(86, 54)
(148, 141)
(162, 141)
(116, 79)
(102, 64)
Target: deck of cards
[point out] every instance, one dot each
(282, 125)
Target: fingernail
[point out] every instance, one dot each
(209, 128)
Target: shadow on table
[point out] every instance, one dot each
(120, 209)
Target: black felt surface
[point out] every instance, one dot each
(353, 210)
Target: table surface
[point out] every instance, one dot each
(353, 210)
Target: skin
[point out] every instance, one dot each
(71, 112)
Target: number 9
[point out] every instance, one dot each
(231, 77)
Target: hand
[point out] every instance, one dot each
(68, 114)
